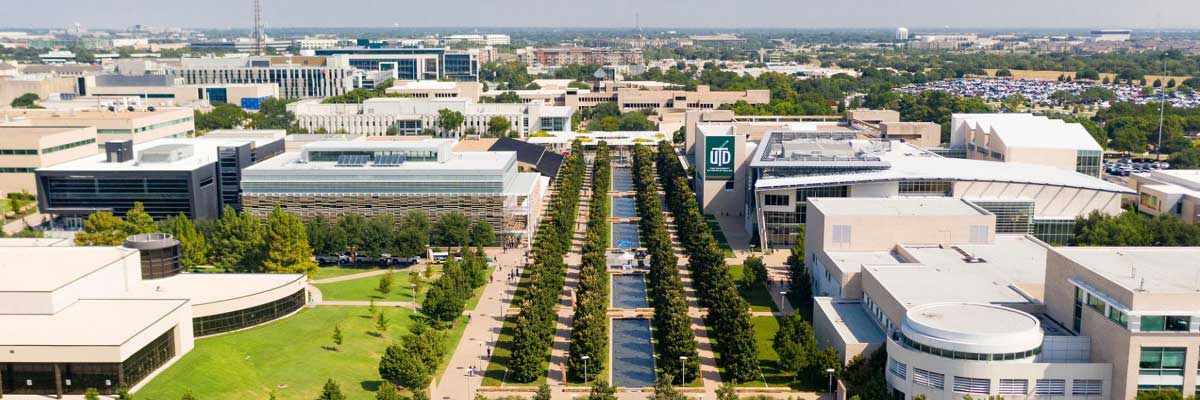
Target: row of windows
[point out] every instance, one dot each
(1162, 361)
(18, 152)
(939, 188)
(1146, 323)
(252, 316)
(962, 355)
(16, 170)
(1087, 162)
(775, 200)
(1086, 387)
(71, 145)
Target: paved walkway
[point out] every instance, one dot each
(31, 220)
(369, 273)
(560, 351)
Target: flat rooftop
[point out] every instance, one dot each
(204, 152)
(1163, 270)
(210, 288)
(10, 132)
(1010, 271)
(36, 242)
(850, 320)
(473, 163)
(1030, 131)
(103, 323)
(895, 207)
(91, 115)
(44, 269)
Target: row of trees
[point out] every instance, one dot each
(589, 331)
(608, 117)
(448, 295)
(272, 114)
(408, 237)
(534, 325)
(1131, 228)
(672, 325)
(728, 312)
(411, 362)
(246, 244)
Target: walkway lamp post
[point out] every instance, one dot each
(830, 372)
(585, 374)
(414, 289)
(781, 297)
(683, 376)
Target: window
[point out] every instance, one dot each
(1161, 361)
(1077, 318)
(728, 186)
(775, 200)
(1087, 387)
(1095, 303)
(18, 152)
(1160, 323)
(248, 317)
(71, 145)
(1087, 162)
(841, 234)
(1117, 316)
(898, 369)
(929, 379)
(1014, 386)
(1148, 200)
(925, 188)
(1050, 387)
(972, 385)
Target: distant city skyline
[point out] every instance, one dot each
(724, 14)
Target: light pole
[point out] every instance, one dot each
(414, 289)
(585, 374)
(830, 372)
(781, 297)
(683, 376)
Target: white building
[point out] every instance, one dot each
(1028, 139)
(109, 317)
(412, 116)
(1173, 192)
(901, 34)
(1111, 35)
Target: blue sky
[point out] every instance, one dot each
(1137, 14)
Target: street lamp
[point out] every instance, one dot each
(830, 372)
(683, 376)
(414, 289)
(781, 297)
(585, 374)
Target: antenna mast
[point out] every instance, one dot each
(258, 30)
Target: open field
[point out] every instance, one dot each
(365, 289)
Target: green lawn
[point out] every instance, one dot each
(718, 234)
(333, 272)
(291, 356)
(768, 360)
(364, 289)
(495, 374)
(758, 297)
(5, 206)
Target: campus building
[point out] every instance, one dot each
(961, 309)
(112, 317)
(469, 91)
(1028, 139)
(788, 168)
(27, 148)
(580, 56)
(196, 177)
(666, 100)
(296, 77)
(160, 90)
(1173, 192)
(413, 116)
(410, 63)
(395, 177)
(138, 126)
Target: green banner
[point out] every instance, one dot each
(718, 158)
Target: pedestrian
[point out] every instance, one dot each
(489, 351)
(490, 278)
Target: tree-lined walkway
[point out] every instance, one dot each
(566, 309)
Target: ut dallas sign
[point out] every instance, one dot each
(718, 158)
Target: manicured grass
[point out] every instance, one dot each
(718, 234)
(759, 298)
(768, 360)
(292, 356)
(365, 289)
(333, 272)
(5, 206)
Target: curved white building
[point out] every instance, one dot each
(950, 350)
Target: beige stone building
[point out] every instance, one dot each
(1174, 192)
(1028, 139)
(437, 90)
(24, 149)
(633, 99)
(139, 126)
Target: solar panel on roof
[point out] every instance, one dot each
(389, 160)
(352, 160)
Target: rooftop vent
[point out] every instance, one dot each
(118, 151)
(166, 153)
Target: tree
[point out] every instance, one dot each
(452, 229)
(1129, 139)
(864, 375)
(543, 392)
(727, 391)
(498, 126)
(101, 228)
(481, 234)
(754, 273)
(381, 323)
(1014, 102)
(799, 281)
(331, 391)
(123, 393)
(449, 121)
(324, 237)
(273, 114)
(287, 245)
(385, 283)
(192, 244)
(137, 221)
(222, 116)
(387, 391)
(795, 344)
(91, 394)
(601, 390)
(418, 394)
(337, 336)
(404, 368)
(27, 100)
(239, 237)
(1159, 394)
(411, 242)
(1003, 73)
(509, 97)
(663, 390)
(187, 396)
(1186, 159)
